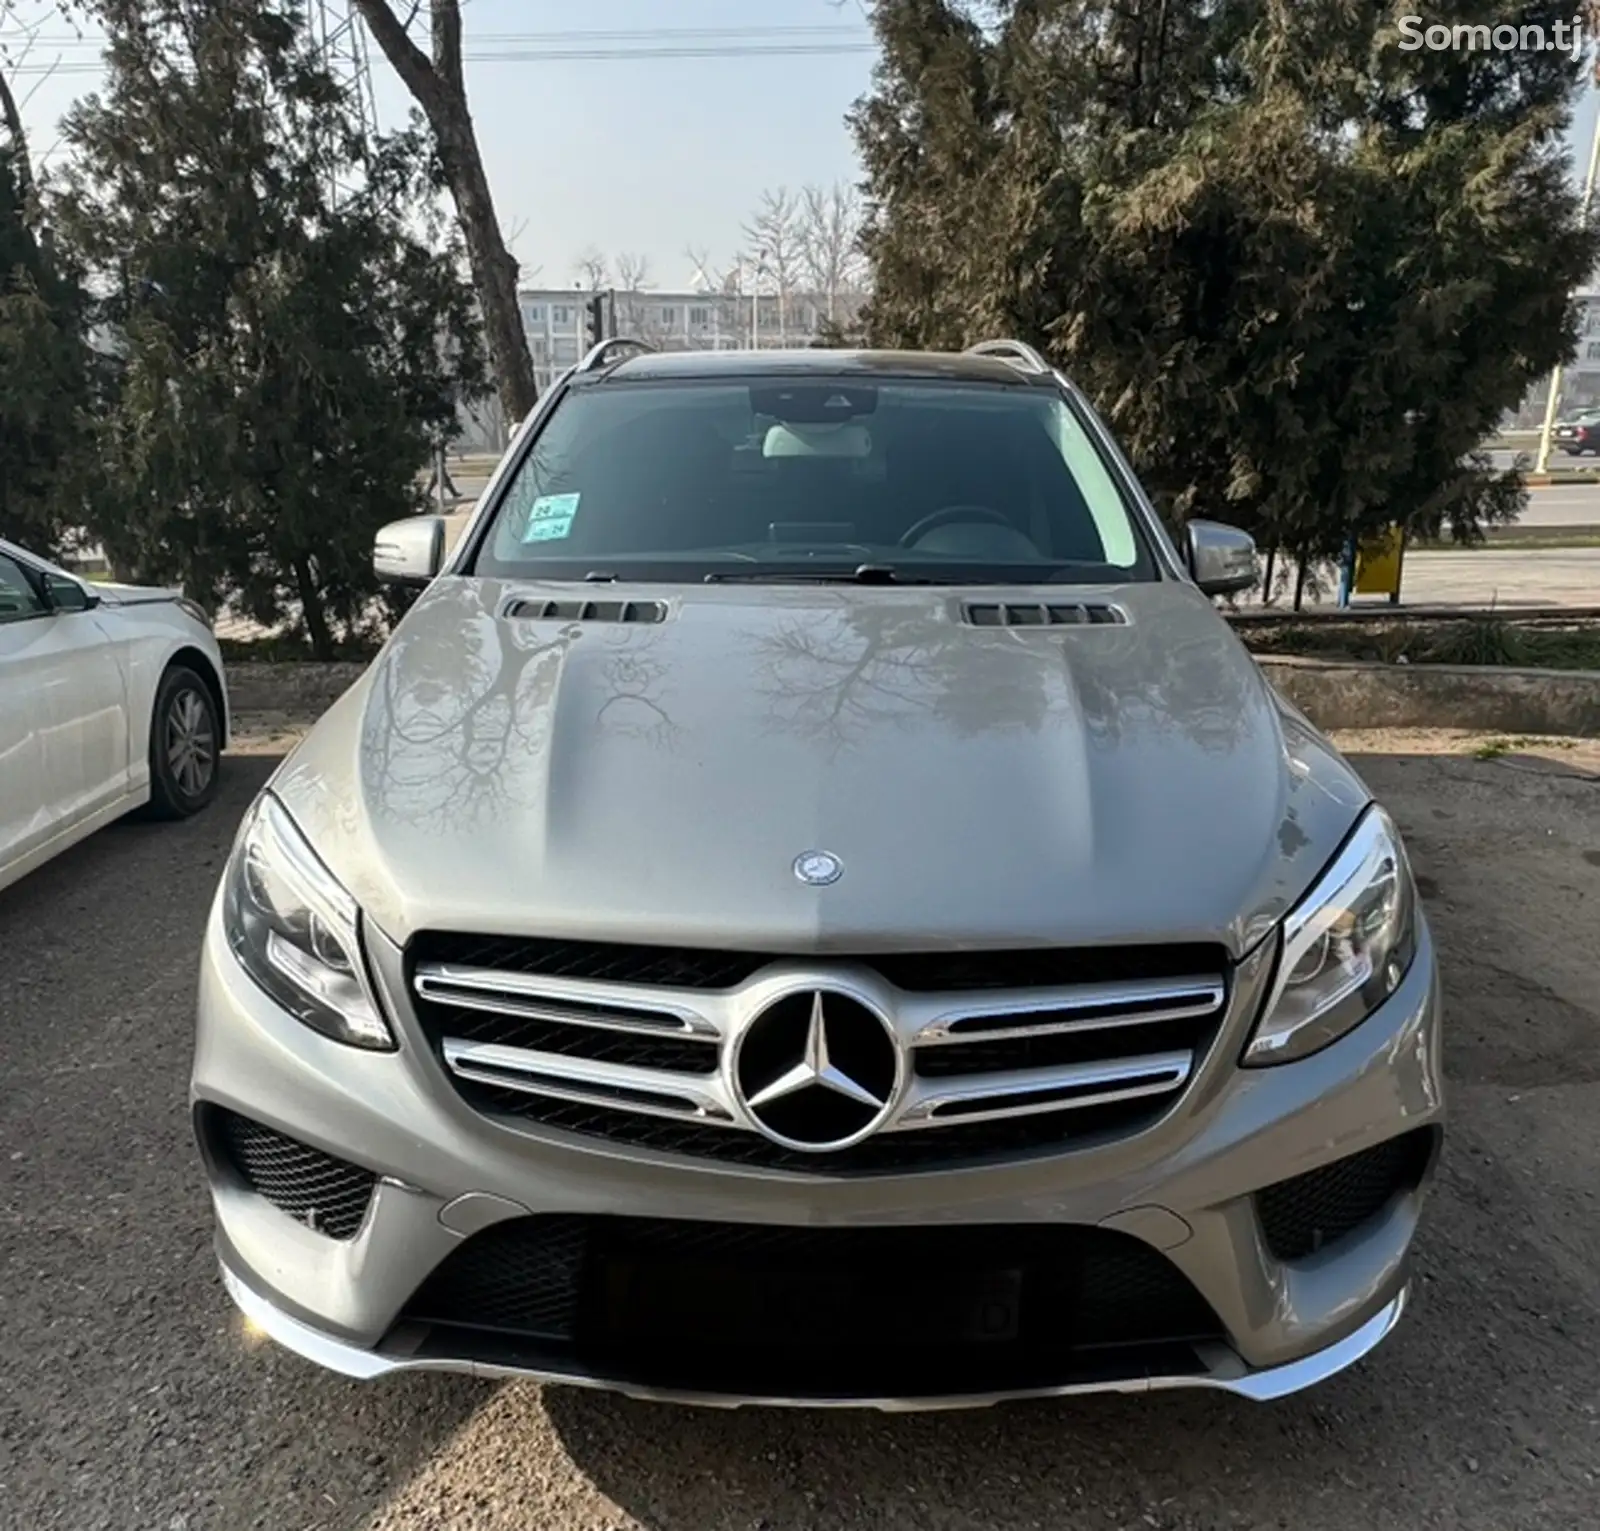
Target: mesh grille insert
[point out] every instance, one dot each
(1311, 1211)
(804, 1310)
(314, 1188)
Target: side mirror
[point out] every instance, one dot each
(1222, 559)
(65, 594)
(409, 552)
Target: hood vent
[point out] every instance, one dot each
(587, 611)
(1041, 614)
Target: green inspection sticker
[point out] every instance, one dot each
(551, 517)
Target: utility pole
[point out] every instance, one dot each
(341, 43)
(1542, 464)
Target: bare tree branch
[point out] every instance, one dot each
(633, 272)
(829, 237)
(774, 236)
(438, 87)
(699, 259)
(593, 268)
(19, 140)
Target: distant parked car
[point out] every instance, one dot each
(112, 697)
(1580, 433)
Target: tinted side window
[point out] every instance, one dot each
(18, 599)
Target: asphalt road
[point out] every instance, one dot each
(1505, 578)
(1563, 505)
(131, 1399)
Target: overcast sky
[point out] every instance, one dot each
(626, 153)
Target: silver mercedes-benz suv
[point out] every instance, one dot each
(813, 904)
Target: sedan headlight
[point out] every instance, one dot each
(296, 931)
(194, 610)
(1346, 946)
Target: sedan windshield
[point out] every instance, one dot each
(816, 478)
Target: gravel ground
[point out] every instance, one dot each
(131, 1399)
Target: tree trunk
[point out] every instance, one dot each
(1266, 583)
(1299, 583)
(439, 89)
(316, 619)
(12, 118)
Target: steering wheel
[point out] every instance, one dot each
(952, 515)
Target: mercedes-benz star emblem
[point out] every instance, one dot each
(817, 1070)
(818, 868)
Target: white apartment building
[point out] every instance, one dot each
(556, 321)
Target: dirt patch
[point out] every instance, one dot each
(1505, 836)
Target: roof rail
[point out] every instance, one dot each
(609, 352)
(1013, 351)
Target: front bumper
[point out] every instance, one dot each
(1226, 1373)
(1186, 1187)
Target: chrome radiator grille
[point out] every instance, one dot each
(1099, 1049)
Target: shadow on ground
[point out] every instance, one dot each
(129, 1396)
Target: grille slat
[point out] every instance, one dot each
(322, 1192)
(995, 1066)
(678, 967)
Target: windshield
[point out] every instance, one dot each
(810, 478)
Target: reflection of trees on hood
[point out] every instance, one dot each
(634, 709)
(836, 675)
(458, 727)
(1168, 673)
(459, 714)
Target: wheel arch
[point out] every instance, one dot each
(190, 658)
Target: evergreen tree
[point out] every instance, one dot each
(44, 379)
(1302, 271)
(288, 329)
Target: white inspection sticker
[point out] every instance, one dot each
(551, 517)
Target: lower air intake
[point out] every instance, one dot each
(326, 1194)
(761, 1309)
(1312, 1211)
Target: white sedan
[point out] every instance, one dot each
(112, 697)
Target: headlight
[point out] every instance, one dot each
(297, 932)
(1346, 947)
(193, 609)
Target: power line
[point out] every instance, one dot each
(573, 55)
(618, 35)
(752, 50)
(598, 44)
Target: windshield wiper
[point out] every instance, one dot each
(862, 574)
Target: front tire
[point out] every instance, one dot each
(185, 757)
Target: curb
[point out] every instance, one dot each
(1334, 616)
(1482, 698)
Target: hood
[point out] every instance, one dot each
(654, 782)
(134, 595)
